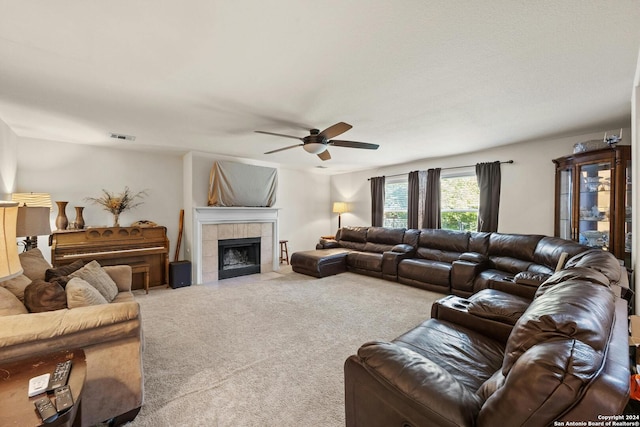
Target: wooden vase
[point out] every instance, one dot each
(62, 222)
(79, 217)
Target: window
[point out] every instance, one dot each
(459, 200)
(396, 195)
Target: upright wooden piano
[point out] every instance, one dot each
(135, 246)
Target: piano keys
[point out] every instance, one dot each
(133, 246)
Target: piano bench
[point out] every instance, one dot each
(141, 267)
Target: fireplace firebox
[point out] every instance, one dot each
(238, 257)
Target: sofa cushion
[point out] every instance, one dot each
(81, 294)
(574, 273)
(365, 261)
(34, 264)
(518, 246)
(353, 234)
(425, 271)
(599, 260)
(544, 382)
(578, 310)
(42, 296)
(445, 240)
(10, 304)
(17, 286)
(510, 264)
(497, 305)
(469, 356)
(550, 249)
(385, 236)
(99, 279)
(61, 273)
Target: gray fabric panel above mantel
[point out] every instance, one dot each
(238, 184)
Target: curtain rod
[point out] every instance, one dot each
(444, 169)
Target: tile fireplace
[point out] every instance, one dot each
(212, 224)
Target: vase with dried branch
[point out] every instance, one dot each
(118, 203)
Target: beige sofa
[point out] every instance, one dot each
(110, 335)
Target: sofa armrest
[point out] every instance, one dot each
(328, 244)
(463, 275)
(37, 333)
(403, 248)
(391, 259)
(475, 257)
(530, 278)
(440, 396)
(121, 274)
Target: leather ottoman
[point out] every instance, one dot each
(320, 263)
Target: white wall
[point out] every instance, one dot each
(8, 161)
(72, 172)
(527, 194)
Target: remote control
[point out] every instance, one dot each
(60, 375)
(46, 410)
(64, 400)
(38, 384)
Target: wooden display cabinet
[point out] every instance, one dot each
(593, 199)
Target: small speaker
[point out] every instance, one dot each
(179, 274)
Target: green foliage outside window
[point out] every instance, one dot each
(459, 199)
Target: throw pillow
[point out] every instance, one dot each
(34, 264)
(17, 285)
(9, 304)
(99, 279)
(44, 296)
(82, 294)
(60, 274)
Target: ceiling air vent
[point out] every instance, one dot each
(121, 136)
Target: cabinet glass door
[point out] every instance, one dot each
(565, 224)
(627, 214)
(594, 204)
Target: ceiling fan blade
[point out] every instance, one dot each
(285, 148)
(278, 134)
(335, 130)
(325, 155)
(353, 144)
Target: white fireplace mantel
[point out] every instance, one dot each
(231, 215)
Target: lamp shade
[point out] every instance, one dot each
(340, 207)
(33, 221)
(9, 262)
(32, 199)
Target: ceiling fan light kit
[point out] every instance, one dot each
(314, 147)
(317, 142)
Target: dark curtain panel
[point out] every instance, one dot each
(377, 201)
(488, 175)
(413, 200)
(422, 203)
(432, 202)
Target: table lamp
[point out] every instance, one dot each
(339, 208)
(32, 222)
(10, 266)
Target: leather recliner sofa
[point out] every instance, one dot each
(564, 359)
(444, 261)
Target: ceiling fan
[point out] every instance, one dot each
(317, 142)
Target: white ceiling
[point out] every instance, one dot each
(420, 78)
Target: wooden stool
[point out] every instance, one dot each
(284, 252)
(144, 269)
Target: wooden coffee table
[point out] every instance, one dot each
(17, 409)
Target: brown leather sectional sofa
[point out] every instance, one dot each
(496, 359)
(461, 263)
(516, 344)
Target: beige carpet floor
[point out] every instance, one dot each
(264, 350)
